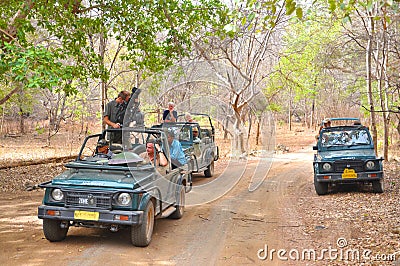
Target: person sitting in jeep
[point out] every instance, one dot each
(196, 134)
(325, 123)
(102, 149)
(159, 157)
(175, 148)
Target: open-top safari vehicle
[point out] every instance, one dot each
(198, 142)
(115, 190)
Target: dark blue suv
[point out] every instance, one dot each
(346, 155)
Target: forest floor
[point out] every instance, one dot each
(350, 217)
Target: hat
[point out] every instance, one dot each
(326, 120)
(195, 129)
(171, 132)
(102, 143)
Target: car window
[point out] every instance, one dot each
(345, 138)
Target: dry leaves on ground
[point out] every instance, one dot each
(365, 222)
(28, 177)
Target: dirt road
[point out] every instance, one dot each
(239, 227)
(230, 230)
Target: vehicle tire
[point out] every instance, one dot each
(141, 234)
(180, 204)
(321, 188)
(377, 186)
(209, 172)
(52, 230)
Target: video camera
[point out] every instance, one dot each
(129, 112)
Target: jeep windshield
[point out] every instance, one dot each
(346, 137)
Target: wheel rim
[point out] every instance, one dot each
(150, 222)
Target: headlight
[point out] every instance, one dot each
(326, 166)
(124, 199)
(370, 165)
(57, 194)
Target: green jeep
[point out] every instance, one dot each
(115, 190)
(345, 155)
(197, 139)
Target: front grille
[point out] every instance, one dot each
(358, 166)
(88, 199)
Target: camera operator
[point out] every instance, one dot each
(114, 114)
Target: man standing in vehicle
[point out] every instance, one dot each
(170, 115)
(113, 114)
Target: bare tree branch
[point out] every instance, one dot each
(8, 96)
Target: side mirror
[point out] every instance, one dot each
(315, 148)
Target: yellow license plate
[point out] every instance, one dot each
(349, 173)
(84, 215)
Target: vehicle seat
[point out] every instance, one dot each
(116, 148)
(138, 148)
(205, 133)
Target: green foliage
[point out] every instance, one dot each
(274, 107)
(54, 42)
(253, 10)
(299, 73)
(345, 9)
(151, 117)
(290, 7)
(33, 67)
(154, 86)
(39, 130)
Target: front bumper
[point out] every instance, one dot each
(101, 216)
(338, 178)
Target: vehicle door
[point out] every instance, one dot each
(167, 177)
(205, 147)
(196, 144)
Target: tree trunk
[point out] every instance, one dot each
(312, 114)
(61, 114)
(384, 94)
(2, 121)
(250, 125)
(21, 121)
(290, 110)
(369, 79)
(238, 138)
(226, 127)
(258, 132)
(103, 83)
(398, 125)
